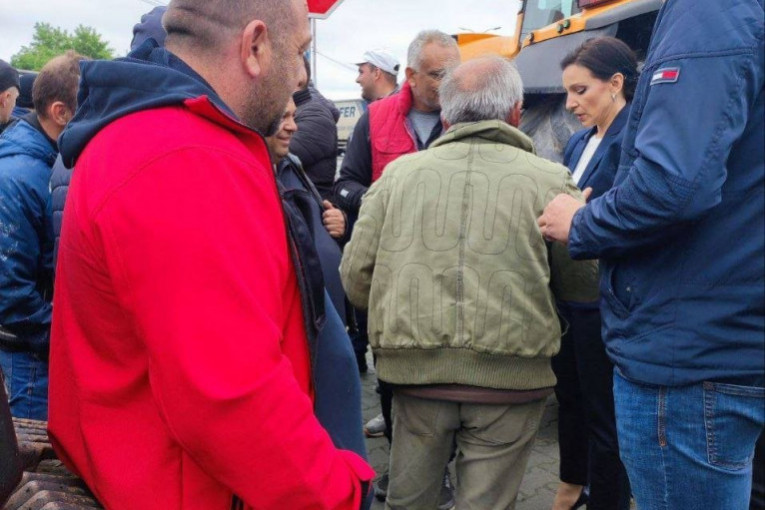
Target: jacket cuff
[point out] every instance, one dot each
(363, 474)
(577, 248)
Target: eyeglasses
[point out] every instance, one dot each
(437, 74)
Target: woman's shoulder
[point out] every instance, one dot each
(575, 139)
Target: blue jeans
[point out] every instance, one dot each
(26, 381)
(689, 447)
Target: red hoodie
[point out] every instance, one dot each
(180, 374)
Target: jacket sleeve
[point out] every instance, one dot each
(205, 292)
(360, 254)
(679, 156)
(572, 281)
(356, 170)
(26, 244)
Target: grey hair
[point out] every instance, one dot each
(414, 54)
(482, 89)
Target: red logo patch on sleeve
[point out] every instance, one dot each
(666, 75)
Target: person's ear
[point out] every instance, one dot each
(60, 113)
(514, 117)
(255, 48)
(410, 75)
(616, 83)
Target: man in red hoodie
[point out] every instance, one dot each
(184, 307)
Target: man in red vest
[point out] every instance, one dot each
(402, 123)
(399, 124)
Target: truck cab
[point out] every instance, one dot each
(545, 32)
(351, 111)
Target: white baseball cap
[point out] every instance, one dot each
(381, 58)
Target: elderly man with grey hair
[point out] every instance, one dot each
(461, 287)
(402, 123)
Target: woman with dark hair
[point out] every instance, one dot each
(600, 78)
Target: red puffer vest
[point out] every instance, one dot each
(389, 133)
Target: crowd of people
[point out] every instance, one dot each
(217, 286)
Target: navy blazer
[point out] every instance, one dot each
(600, 172)
(599, 175)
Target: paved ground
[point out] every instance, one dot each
(541, 480)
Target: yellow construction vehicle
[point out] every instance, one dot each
(545, 32)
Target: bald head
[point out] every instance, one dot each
(208, 25)
(249, 51)
(488, 88)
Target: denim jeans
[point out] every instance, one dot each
(26, 381)
(589, 448)
(689, 447)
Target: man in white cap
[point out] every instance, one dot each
(378, 74)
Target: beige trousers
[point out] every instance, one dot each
(493, 446)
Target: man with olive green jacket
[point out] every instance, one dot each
(461, 291)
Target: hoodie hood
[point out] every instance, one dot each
(329, 105)
(23, 139)
(149, 77)
(150, 27)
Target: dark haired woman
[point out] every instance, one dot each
(599, 78)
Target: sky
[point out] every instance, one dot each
(355, 26)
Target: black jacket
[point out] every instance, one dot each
(315, 142)
(298, 190)
(59, 186)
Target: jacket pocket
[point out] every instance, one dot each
(733, 419)
(619, 305)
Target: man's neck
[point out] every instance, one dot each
(385, 91)
(51, 128)
(37, 122)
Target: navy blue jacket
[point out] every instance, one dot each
(601, 170)
(335, 373)
(681, 236)
(296, 183)
(59, 187)
(26, 235)
(599, 175)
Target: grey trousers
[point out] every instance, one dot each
(493, 447)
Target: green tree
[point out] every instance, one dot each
(49, 41)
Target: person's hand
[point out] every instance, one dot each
(334, 220)
(555, 222)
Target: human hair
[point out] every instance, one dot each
(206, 25)
(389, 77)
(604, 57)
(414, 53)
(57, 81)
(487, 88)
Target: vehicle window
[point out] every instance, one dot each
(540, 13)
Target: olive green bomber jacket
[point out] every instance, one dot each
(448, 257)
